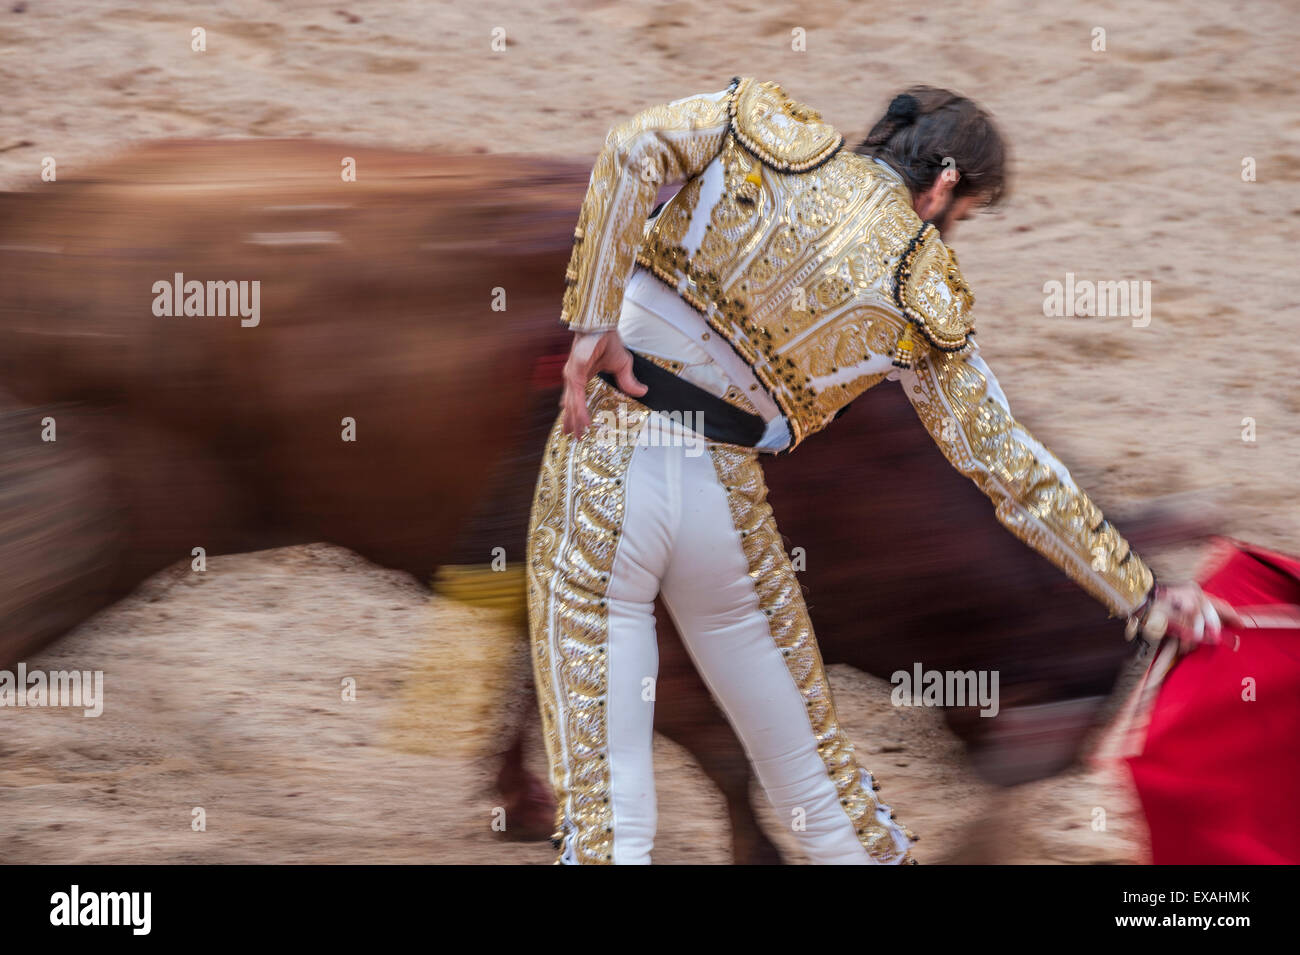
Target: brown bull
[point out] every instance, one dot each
(380, 305)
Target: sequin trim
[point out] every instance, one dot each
(981, 439)
(577, 515)
(662, 144)
(781, 600)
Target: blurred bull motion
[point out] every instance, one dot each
(418, 305)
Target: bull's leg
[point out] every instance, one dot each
(61, 527)
(499, 528)
(1021, 744)
(686, 713)
(528, 801)
(1026, 743)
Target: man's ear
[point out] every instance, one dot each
(934, 200)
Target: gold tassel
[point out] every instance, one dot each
(481, 585)
(903, 351)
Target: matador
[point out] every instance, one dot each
(785, 277)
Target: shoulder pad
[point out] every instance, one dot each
(781, 133)
(929, 289)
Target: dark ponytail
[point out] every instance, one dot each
(923, 126)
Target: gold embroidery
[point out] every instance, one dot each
(735, 396)
(982, 440)
(658, 145)
(796, 267)
(577, 514)
(930, 291)
(781, 599)
(796, 272)
(785, 134)
(676, 215)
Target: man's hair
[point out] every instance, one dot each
(924, 126)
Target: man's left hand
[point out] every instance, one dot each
(593, 352)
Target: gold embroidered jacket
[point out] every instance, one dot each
(811, 263)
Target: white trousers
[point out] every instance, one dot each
(621, 515)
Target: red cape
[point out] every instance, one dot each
(1219, 774)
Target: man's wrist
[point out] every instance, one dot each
(1138, 618)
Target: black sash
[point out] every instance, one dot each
(667, 393)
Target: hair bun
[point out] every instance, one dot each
(904, 108)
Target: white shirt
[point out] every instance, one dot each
(656, 321)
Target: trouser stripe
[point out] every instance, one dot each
(781, 601)
(578, 511)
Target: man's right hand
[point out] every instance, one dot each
(1188, 613)
(593, 352)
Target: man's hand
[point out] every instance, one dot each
(593, 352)
(1188, 613)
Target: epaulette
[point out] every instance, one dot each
(933, 296)
(780, 132)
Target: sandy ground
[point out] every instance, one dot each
(224, 688)
(224, 692)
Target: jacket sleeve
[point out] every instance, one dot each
(959, 401)
(663, 144)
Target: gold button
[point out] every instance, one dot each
(704, 337)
